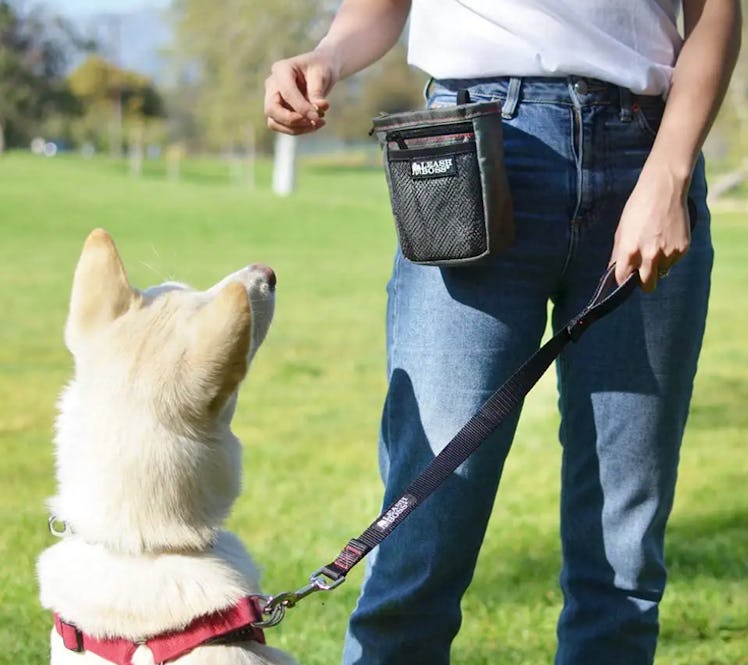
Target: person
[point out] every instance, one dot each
(605, 110)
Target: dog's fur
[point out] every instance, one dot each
(147, 465)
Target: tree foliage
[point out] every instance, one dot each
(98, 82)
(33, 56)
(228, 47)
(728, 141)
(389, 86)
(112, 96)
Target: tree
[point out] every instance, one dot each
(229, 46)
(727, 144)
(110, 97)
(389, 86)
(33, 55)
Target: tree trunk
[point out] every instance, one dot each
(2, 137)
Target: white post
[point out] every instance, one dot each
(284, 164)
(250, 156)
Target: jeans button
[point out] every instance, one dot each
(580, 87)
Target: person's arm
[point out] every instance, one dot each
(361, 33)
(654, 232)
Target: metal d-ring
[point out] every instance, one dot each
(275, 611)
(54, 524)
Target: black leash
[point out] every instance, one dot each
(481, 425)
(606, 298)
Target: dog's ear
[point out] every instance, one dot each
(101, 292)
(221, 336)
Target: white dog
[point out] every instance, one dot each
(148, 468)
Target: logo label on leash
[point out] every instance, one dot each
(405, 503)
(433, 168)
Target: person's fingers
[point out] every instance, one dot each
(277, 127)
(278, 111)
(295, 130)
(318, 84)
(626, 262)
(648, 276)
(291, 121)
(291, 85)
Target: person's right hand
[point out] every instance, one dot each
(296, 90)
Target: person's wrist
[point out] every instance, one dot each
(329, 53)
(672, 174)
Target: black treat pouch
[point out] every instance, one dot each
(447, 182)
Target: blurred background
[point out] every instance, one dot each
(157, 80)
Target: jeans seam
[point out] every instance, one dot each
(393, 347)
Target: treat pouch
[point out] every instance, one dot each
(447, 182)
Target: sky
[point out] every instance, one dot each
(83, 7)
(141, 34)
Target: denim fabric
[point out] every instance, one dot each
(573, 155)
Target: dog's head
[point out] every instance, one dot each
(145, 457)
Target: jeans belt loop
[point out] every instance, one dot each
(509, 107)
(626, 105)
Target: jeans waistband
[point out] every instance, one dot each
(572, 90)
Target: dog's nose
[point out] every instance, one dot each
(265, 270)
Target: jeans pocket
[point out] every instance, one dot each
(649, 117)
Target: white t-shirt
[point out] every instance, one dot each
(632, 43)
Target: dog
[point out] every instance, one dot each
(147, 471)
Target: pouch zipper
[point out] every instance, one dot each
(437, 151)
(399, 135)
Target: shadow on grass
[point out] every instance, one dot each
(713, 546)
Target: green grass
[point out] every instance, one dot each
(309, 411)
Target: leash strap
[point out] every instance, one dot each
(499, 405)
(493, 412)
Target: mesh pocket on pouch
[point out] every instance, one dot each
(437, 212)
(447, 183)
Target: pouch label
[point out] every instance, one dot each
(433, 168)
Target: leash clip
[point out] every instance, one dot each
(276, 606)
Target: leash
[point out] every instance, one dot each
(606, 298)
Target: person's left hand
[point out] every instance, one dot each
(654, 231)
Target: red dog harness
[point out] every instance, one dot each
(228, 625)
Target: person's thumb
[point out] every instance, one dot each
(318, 84)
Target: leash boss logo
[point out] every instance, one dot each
(403, 504)
(433, 168)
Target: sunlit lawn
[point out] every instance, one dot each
(309, 412)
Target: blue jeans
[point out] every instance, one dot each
(574, 149)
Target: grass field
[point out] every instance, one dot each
(309, 411)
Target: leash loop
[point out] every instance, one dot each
(608, 295)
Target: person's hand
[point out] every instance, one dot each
(654, 231)
(295, 92)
